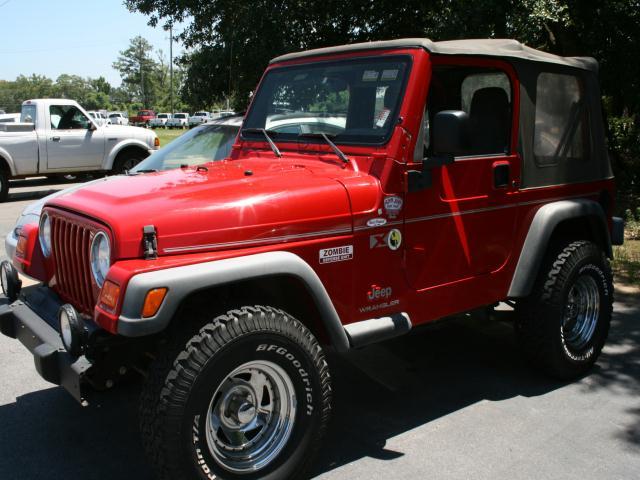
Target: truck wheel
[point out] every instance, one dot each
(564, 324)
(4, 185)
(126, 161)
(247, 397)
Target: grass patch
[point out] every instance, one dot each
(626, 262)
(166, 136)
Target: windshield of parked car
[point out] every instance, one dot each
(357, 101)
(180, 115)
(163, 115)
(144, 113)
(200, 145)
(200, 114)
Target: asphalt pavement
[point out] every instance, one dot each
(453, 401)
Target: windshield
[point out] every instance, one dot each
(163, 115)
(198, 146)
(114, 115)
(180, 115)
(357, 101)
(144, 113)
(200, 114)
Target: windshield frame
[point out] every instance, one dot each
(394, 116)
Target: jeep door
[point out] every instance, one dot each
(71, 144)
(461, 227)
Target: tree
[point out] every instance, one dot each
(101, 85)
(138, 70)
(233, 40)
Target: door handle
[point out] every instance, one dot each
(501, 175)
(55, 139)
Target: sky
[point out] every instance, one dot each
(51, 37)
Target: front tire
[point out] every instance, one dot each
(247, 397)
(564, 324)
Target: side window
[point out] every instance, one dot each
(561, 121)
(67, 117)
(485, 94)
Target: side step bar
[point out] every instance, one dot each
(376, 330)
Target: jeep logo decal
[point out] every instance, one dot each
(377, 293)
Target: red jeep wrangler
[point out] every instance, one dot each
(374, 188)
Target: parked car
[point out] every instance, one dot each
(178, 120)
(450, 188)
(222, 113)
(99, 118)
(143, 118)
(58, 137)
(209, 142)
(160, 120)
(198, 118)
(118, 118)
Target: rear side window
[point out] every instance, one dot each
(561, 120)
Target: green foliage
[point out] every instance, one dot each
(624, 145)
(90, 93)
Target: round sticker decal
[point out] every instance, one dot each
(394, 239)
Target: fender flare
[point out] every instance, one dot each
(544, 223)
(4, 156)
(118, 147)
(184, 280)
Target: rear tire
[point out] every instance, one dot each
(247, 397)
(563, 325)
(4, 185)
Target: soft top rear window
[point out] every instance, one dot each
(355, 101)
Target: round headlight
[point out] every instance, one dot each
(100, 257)
(44, 233)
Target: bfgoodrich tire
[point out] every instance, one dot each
(564, 324)
(247, 397)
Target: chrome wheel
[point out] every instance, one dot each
(581, 313)
(251, 416)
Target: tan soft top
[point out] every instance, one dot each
(480, 47)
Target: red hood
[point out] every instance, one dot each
(223, 206)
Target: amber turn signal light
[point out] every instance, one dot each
(21, 248)
(109, 295)
(156, 142)
(153, 301)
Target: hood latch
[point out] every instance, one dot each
(150, 242)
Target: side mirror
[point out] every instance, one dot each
(449, 137)
(92, 127)
(450, 132)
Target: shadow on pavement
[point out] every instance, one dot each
(41, 183)
(380, 392)
(619, 367)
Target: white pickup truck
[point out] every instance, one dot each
(57, 136)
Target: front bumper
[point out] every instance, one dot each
(31, 319)
(10, 244)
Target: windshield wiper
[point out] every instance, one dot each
(326, 138)
(267, 134)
